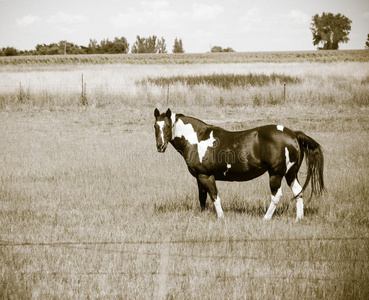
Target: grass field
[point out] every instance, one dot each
(89, 209)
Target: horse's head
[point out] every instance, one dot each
(163, 129)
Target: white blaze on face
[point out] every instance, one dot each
(186, 130)
(280, 127)
(289, 164)
(161, 127)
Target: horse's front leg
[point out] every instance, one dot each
(202, 194)
(208, 183)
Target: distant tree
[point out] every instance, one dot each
(216, 49)
(149, 45)
(93, 47)
(9, 51)
(330, 30)
(178, 46)
(220, 49)
(139, 45)
(161, 45)
(367, 42)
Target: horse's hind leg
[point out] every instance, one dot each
(275, 181)
(208, 182)
(294, 184)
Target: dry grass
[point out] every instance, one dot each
(93, 201)
(88, 206)
(342, 83)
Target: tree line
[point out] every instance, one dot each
(152, 44)
(328, 31)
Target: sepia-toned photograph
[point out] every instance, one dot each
(173, 149)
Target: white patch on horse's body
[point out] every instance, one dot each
(273, 204)
(289, 164)
(218, 208)
(280, 127)
(186, 130)
(228, 167)
(202, 146)
(161, 127)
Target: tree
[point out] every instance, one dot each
(162, 47)
(330, 30)
(178, 46)
(220, 49)
(9, 51)
(367, 42)
(149, 45)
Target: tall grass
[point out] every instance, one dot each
(224, 81)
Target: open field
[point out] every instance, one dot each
(90, 209)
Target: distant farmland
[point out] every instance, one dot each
(194, 58)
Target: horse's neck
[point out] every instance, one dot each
(188, 130)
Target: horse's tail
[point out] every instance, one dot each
(314, 163)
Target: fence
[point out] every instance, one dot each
(86, 93)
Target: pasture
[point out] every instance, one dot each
(90, 209)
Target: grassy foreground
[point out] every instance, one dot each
(89, 208)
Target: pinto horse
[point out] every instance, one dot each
(213, 153)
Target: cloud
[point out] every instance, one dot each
(298, 17)
(155, 5)
(63, 18)
(27, 20)
(251, 20)
(206, 12)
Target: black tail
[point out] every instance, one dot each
(314, 163)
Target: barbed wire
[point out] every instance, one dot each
(4, 243)
(219, 277)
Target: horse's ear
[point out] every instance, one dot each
(168, 113)
(156, 113)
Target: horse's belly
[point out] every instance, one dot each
(231, 175)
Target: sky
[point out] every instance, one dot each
(259, 25)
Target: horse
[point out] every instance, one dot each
(215, 154)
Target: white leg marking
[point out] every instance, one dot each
(296, 187)
(273, 204)
(289, 164)
(218, 208)
(280, 127)
(161, 126)
(187, 131)
(299, 209)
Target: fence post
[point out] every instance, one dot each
(163, 269)
(83, 95)
(168, 95)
